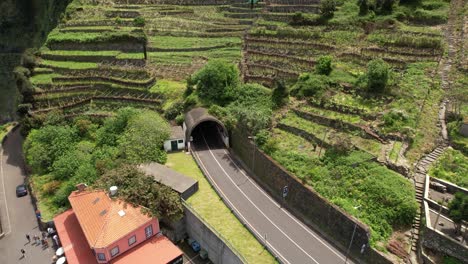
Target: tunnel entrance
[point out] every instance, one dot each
(203, 130)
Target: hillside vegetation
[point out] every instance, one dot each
(344, 94)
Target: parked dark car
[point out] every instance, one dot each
(21, 190)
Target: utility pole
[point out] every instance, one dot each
(352, 237)
(321, 143)
(440, 211)
(253, 153)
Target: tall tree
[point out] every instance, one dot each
(458, 210)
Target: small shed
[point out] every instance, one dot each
(176, 141)
(180, 183)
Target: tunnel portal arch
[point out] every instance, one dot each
(200, 115)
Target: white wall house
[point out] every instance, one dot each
(176, 141)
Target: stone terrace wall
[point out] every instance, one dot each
(306, 204)
(181, 2)
(435, 240)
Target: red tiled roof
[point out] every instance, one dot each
(77, 250)
(158, 250)
(99, 217)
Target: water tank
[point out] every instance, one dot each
(113, 190)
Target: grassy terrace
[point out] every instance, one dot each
(169, 42)
(332, 136)
(208, 204)
(452, 167)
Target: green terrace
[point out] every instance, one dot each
(168, 43)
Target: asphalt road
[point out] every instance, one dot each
(287, 237)
(17, 214)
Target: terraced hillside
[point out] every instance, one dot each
(106, 54)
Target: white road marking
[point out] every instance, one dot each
(305, 252)
(282, 209)
(235, 208)
(4, 192)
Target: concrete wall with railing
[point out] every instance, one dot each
(219, 249)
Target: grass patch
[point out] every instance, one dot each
(74, 65)
(43, 78)
(170, 42)
(208, 204)
(394, 153)
(4, 129)
(453, 167)
(44, 201)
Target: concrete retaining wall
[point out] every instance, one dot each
(219, 251)
(306, 204)
(451, 188)
(435, 240)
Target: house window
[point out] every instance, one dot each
(101, 256)
(132, 240)
(180, 141)
(114, 251)
(149, 231)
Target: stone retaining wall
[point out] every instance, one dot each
(306, 204)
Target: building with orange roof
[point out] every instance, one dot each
(111, 229)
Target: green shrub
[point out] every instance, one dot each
(309, 84)
(139, 21)
(51, 187)
(180, 119)
(174, 110)
(327, 8)
(324, 65)
(453, 167)
(280, 94)
(217, 82)
(377, 75)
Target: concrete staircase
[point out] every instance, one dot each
(419, 177)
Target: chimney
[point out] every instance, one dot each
(81, 187)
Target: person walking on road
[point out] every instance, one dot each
(28, 238)
(22, 253)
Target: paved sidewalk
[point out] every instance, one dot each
(17, 214)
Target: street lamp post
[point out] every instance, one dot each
(352, 237)
(253, 153)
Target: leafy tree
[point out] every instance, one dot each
(67, 164)
(139, 21)
(458, 210)
(327, 8)
(377, 75)
(223, 115)
(385, 6)
(363, 7)
(217, 82)
(137, 188)
(143, 138)
(253, 107)
(324, 65)
(43, 146)
(262, 137)
(113, 127)
(280, 94)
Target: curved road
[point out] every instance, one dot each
(17, 214)
(286, 236)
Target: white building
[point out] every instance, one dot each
(176, 141)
